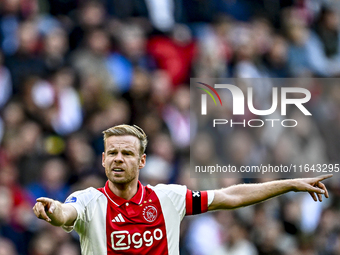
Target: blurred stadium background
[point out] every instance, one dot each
(72, 68)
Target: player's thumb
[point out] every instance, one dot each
(52, 207)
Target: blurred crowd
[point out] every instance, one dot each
(69, 69)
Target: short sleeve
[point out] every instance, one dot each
(185, 201)
(80, 201)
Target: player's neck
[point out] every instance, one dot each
(126, 191)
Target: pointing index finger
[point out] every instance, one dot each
(323, 177)
(43, 200)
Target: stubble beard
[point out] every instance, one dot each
(121, 180)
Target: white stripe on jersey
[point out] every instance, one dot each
(121, 217)
(91, 204)
(172, 200)
(110, 197)
(118, 218)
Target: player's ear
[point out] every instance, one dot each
(103, 159)
(142, 161)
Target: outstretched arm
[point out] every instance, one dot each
(54, 212)
(247, 194)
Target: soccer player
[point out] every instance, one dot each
(125, 217)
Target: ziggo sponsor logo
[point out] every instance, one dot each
(123, 240)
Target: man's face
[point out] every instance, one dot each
(121, 159)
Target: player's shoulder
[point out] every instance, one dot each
(169, 188)
(84, 196)
(172, 197)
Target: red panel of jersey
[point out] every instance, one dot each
(135, 226)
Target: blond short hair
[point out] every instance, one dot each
(121, 130)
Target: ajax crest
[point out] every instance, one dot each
(150, 213)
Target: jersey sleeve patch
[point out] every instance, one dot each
(71, 200)
(196, 202)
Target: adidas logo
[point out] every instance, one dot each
(118, 218)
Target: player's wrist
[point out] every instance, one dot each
(294, 185)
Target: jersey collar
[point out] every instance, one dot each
(118, 201)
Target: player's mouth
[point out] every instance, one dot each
(117, 170)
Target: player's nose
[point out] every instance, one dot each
(119, 157)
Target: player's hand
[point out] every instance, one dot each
(313, 186)
(42, 206)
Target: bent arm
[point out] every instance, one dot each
(247, 194)
(54, 212)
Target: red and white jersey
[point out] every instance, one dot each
(149, 223)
